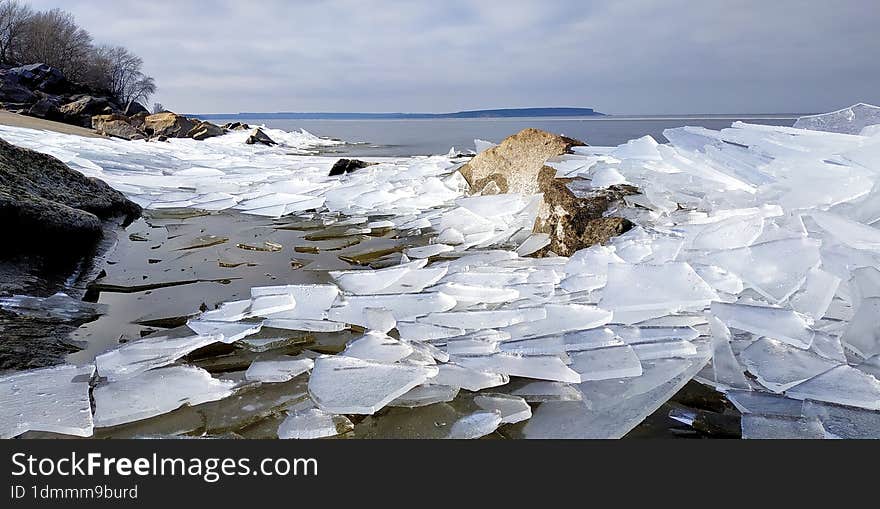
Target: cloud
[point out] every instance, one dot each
(638, 56)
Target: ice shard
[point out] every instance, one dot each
(278, 370)
(777, 323)
(313, 423)
(53, 400)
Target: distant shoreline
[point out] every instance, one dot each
(475, 114)
(390, 117)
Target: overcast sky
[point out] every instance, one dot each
(618, 56)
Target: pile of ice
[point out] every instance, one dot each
(223, 172)
(753, 269)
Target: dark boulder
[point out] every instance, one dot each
(47, 207)
(81, 111)
(47, 107)
(204, 130)
(258, 136)
(40, 77)
(576, 221)
(344, 166)
(236, 126)
(135, 108)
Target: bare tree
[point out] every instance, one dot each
(53, 38)
(14, 16)
(117, 70)
(158, 108)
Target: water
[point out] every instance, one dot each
(394, 138)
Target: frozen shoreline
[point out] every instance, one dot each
(754, 268)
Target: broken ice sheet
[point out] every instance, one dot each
(53, 400)
(538, 367)
(782, 324)
(366, 282)
(562, 343)
(379, 347)
(136, 357)
(654, 288)
(843, 385)
(863, 334)
(312, 423)
(845, 422)
(775, 427)
(137, 398)
(278, 370)
(312, 301)
(561, 318)
(779, 367)
(474, 320)
(403, 306)
(476, 425)
(230, 332)
(725, 367)
(606, 363)
(57, 307)
(775, 269)
(816, 295)
(346, 385)
(428, 251)
(427, 394)
(513, 409)
(469, 379)
(852, 233)
(540, 391)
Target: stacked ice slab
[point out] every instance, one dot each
(754, 268)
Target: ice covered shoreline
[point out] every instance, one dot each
(753, 268)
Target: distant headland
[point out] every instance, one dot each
(499, 113)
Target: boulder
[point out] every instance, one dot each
(204, 130)
(47, 207)
(258, 136)
(513, 165)
(82, 110)
(40, 77)
(135, 108)
(138, 120)
(577, 221)
(47, 107)
(117, 126)
(236, 126)
(170, 125)
(344, 166)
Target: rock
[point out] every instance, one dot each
(40, 77)
(204, 130)
(344, 166)
(576, 222)
(236, 126)
(82, 110)
(515, 163)
(135, 108)
(46, 206)
(170, 125)
(258, 136)
(138, 120)
(46, 107)
(117, 126)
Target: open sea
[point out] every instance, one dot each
(396, 138)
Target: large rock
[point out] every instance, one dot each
(513, 166)
(40, 77)
(170, 125)
(117, 126)
(258, 136)
(204, 130)
(135, 108)
(344, 166)
(577, 221)
(47, 107)
(82, 110)
(236, 126)
(47, 207)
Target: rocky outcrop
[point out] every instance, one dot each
(258, 136)
(576, 221)
(344, 166)
(44, 204)
(514, 165)
(117, 126)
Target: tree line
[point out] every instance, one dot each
(53, 37)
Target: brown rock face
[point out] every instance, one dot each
(168, 124)
(513, 166)
(575, 222)
(204, 130)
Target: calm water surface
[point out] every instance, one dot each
(436, 136)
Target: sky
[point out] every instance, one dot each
(617, 56)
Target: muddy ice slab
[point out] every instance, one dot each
(136, 357)
(53, 400)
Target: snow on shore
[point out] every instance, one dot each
(754, 268)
